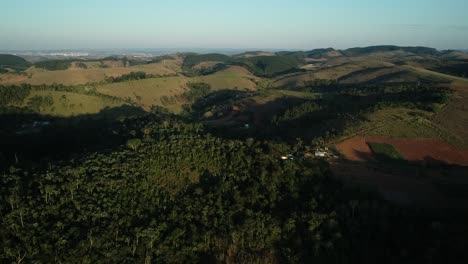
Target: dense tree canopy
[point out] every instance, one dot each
(175, 194)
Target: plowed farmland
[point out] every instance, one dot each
(429, 150)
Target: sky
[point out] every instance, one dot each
(238, 24)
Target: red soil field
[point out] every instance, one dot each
(412, 149)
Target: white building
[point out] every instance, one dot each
(319, 153)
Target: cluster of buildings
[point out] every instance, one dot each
(319, 153)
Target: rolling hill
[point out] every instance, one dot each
(265, 72)
(391, 123)
(8, 61)
(91, 72)
(389, 48)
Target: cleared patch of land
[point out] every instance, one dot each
(402, 123)
(147, 92)
(435, 177)
(416, 149)
(8, 78)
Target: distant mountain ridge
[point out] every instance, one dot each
(387, 48)
(261, 63)
(12, 60)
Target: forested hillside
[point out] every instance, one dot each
(175, 194)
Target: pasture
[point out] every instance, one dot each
(66, 104)
(148, 92)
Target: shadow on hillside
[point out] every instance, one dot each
(30, 137)
(423, 185)
(252, 119)
(427, 161)
(263, 120)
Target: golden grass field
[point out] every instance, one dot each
(148, 92)
(72, 104)
(232, 77)
(94, 74)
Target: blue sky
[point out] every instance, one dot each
(243, 24)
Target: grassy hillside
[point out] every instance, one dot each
(91, 74)
(233, 77)
(149, 92)
(66, 104)
(249, 71)
(58, 101)
(401, 122)
(333, 69)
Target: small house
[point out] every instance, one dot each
(320, 154)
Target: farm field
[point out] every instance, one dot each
(416, 149)
(434, 178)
(400, 122)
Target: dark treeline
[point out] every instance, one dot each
(62, 138)
(175, 194)
(38, 103)
(12, 94)
(191, 72)
(132, 76)
(16, 94)
(54, 65)
(196, 91)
